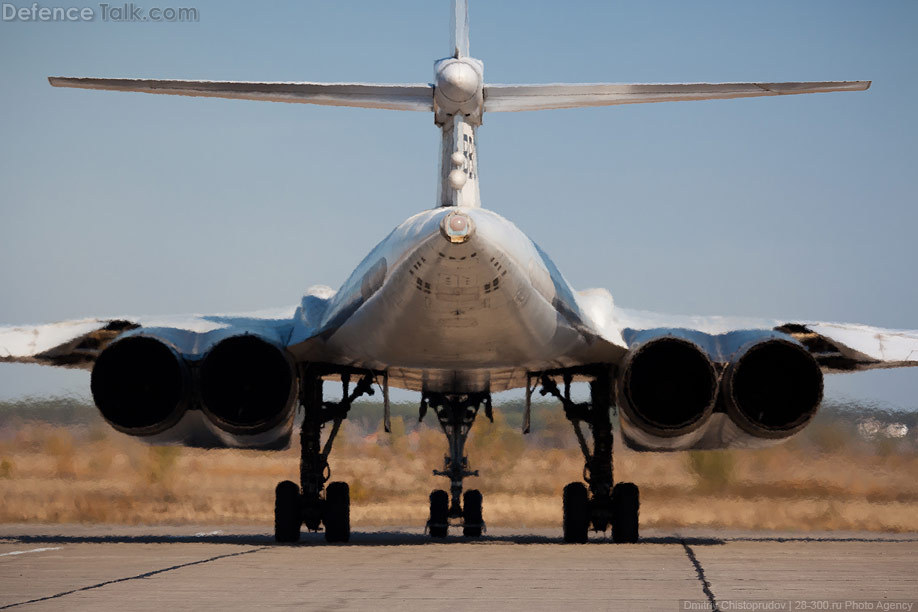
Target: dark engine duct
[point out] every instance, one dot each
(140, 385)
(247, 385)
(773, 389)
(667, 389)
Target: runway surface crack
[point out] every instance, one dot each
(137, 577)
(699, 571)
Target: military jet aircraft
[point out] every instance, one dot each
(457, 303)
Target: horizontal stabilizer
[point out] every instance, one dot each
(507, 98)
(418, 97)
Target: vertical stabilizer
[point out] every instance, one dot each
(459, 46)
(458, 104)
(459, 164)
(459, 98)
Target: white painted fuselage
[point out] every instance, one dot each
(446, 315)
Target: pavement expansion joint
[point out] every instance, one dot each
(135, 577)
(699, 571)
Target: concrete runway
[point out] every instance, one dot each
(162, 568)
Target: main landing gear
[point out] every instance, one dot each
(602, 505)
(312, 503)
(456, 414)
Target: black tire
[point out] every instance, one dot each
(626, 504)
(287, 514)
(337, 514)
(438, 524)
(576, 513)
(471, 514)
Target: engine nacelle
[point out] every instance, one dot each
(141, 386)
(248, 387)
(666, 390)
(773, 389)
(770, 391)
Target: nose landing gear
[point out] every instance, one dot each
(456, 414)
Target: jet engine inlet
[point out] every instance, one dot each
(247, 385)
(140, 386)
(668, 387)
(774, 389)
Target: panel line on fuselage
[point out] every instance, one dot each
(492, 303)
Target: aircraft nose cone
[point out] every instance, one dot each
(458, 81)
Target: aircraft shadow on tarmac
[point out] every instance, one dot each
(372, 538)
(406, 538)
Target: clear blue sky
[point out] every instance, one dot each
(799, 207)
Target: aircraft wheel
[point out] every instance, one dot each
(471, 514)
(439, 514)
(337, 515)
(576, 513)
(626, 504)
(287, 515)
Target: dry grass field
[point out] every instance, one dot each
(60, 463)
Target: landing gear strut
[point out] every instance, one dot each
(603, 505)
(312, 503)
(456, 414)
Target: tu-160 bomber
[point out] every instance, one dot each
(457, 303)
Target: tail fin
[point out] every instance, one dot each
(459, 164)
(458, 97)
(459, 46)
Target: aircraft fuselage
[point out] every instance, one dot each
(455, 310)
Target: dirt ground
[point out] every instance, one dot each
(829, 478)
